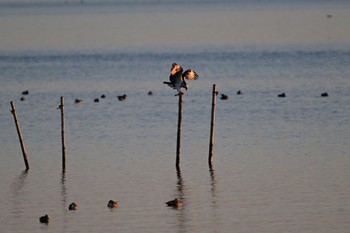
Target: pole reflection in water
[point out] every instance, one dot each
(214, 205)
(179, 184)
(18, 190)
(64, 200)
(63, 188)
(180, 194)
(212, 179)
(18, 184)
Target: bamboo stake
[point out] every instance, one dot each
(62, 135)
(179, 123)
(211, 140)
(13, 111)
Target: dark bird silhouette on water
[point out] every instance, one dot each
(174, 203)
(324, 94)
(282, 95)
(112, 204)
(224, 97)
(77, 101)
(73, 206)
(121, 97)
(44, 219)
(178, 78)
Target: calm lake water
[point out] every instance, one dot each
(280, 164)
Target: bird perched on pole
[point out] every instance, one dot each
(177, 78)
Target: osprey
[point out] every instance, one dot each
(177, 78)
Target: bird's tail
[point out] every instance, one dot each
(170, 84)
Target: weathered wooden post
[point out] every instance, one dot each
(179, 123)
(13, 111)
(62, 135)
(211, 140)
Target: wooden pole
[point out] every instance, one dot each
(179, 123)
(211, 140)
(62, 135)
(13, 111)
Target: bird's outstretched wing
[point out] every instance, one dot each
(190, 74)
(175, 68)
(176, 74)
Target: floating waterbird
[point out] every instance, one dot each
(224, 97)
(324, 94)
(282, 95)
(77, 101)
(26, 92)
(103, 96)
(96, 100)
(73, 206)
(112, 204)
(239, 92)
(174, 203)
(177, 78)
(22, 99)
(121, 97)
(44, 219)
(150, 93)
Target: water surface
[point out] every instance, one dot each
(280, 164)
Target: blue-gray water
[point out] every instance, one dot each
(280, 164)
